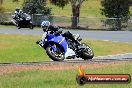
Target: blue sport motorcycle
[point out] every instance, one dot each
(59, 47)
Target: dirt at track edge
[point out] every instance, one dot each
(61, 66)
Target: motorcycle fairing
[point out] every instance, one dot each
(59, 40)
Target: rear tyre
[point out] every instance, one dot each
(31, 26)
(87, 53)
(19, 27)
(55, 55)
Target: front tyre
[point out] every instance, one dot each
(57, 55)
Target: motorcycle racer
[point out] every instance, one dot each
(47, 27)
(60, 46)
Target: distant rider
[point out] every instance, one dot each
(17, 15)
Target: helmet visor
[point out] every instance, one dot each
(45, 28)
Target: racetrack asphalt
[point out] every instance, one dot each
(121, 36)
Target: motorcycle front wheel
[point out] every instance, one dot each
(57, 55)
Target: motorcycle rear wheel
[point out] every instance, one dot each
(31, 26)
(54, 55)
(87, 53)
(19, 27)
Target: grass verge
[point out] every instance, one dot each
(7, 26)
(13, 26)
(61, 78)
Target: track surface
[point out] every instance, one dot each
(109, 58)
(123, 36)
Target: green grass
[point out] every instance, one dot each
(21, 48)
(10, 6)
(90, 8)
(108, 47)
(7, 26)
(62, 78)
(87, 9)
(15, 48)
(13, 26)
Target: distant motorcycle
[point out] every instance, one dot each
(59, 48)
(24, 21)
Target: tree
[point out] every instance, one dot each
(130, 2)
(1, 1)
(15, 0)
(36, 7)
(116, 9)
(1, 8)
(76, 5)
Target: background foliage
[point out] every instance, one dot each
(37, 7)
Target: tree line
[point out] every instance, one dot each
(110, 8)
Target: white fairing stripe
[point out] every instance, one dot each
(69, 52)
(61, 41)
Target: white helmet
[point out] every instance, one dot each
(45, 25)
(20, 12)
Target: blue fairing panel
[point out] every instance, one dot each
(60, 40)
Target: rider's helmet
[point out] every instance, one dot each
(17, 9)
(45, 25)
(20, 12)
